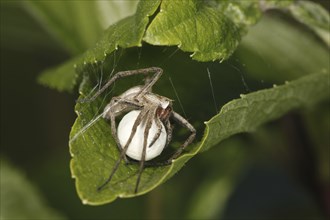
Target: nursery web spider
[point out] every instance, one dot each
(146, 129)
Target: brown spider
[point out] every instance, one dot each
(146, 123)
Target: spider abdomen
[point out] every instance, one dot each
(135, 148)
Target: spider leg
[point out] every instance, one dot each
(183, 122)
(123, 152)
(149, 83)
(119, 101)
(158, 71)
(110, 114)
(144, 150)
(114, 135)
(169, 130)
(159, 131)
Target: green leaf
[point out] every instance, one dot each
(19, 198)
(311, 14)
(91, 144)
(275, 4)
(126, 33)
(94, 151)
(62, 78)
(230, 19)
(182, 23)
(259, 107)
(261, 51)
(211, 32)
(242, 13)
(314, 16)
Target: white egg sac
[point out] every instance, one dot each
(135, 148)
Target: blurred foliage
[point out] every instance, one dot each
(70, 24)
(19, 198)
(264, 59)
(280, 171)
(314, 16)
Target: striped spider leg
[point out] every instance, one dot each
(146, 129)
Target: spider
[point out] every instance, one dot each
(146, 128)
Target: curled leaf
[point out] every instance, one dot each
(94, 151)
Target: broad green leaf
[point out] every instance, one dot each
(94, 151)
(242, 13)
(314, 16)
(19, 198)
(259, 107)
(279, 57)
(211, 45)
(182, 23)
(92, 147)
(311, 14)
(211, 32)
(275, 4)
(126, 33)
(62, 78)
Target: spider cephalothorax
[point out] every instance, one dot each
(146, 129)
